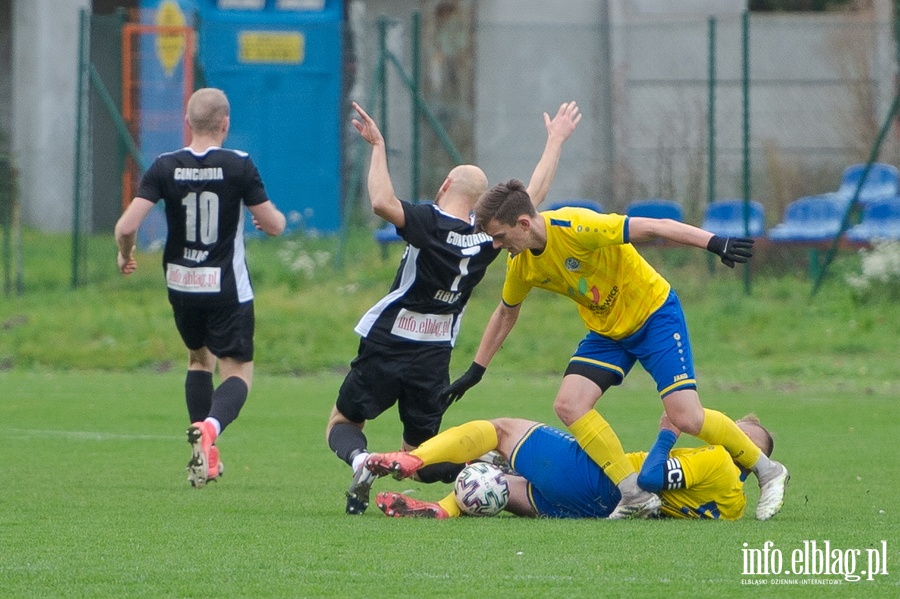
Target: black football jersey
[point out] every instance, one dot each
(204, 197)
(445, 258)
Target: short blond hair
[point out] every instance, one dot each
(753, 419)
(206, 109)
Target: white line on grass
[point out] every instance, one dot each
(85, 435)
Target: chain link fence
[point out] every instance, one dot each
(693, 110)
(688, 109)
(817, 89)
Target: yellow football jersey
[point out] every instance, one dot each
(588, 260)
(704, 481)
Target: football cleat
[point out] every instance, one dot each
(398, 505)
(495, 458)
(399, 463)
(216, 467)
(643, 506)
(358, 493)
(771, 494)
(201, 436)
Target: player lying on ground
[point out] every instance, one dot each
(632, 315)
(553, 477)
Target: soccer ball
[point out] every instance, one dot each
(481, 489)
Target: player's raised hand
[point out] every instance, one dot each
(563, 124)
(366, 126)
(126, 265)
(666, 424)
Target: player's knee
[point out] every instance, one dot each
(503, 425)
(687, 421)
(567, 411)
(335, 418)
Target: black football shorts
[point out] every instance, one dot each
(227, 331)
(408, 374)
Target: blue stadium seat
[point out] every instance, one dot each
(385, 236)
(656, 209)
(811, 218)
(574, 203)
(883, 181)
(726, 217)
(880, 221)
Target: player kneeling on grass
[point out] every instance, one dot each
(551, 475)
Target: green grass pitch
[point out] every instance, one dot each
(94, 500)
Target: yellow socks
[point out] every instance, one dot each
(719, 429)
(599, 440)
(459, 444)
(450, 506)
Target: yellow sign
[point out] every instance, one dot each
(169, 46)
(281, 47)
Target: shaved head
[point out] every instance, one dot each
(467, 180)
(206, 109)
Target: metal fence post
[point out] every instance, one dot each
(416, 91)
(711, 127)
(745, 35)
(79, 144)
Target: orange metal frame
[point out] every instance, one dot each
(130, 105)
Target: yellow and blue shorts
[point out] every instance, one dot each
(661, 345)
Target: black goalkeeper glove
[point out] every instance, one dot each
(455, 390)
(731, 249)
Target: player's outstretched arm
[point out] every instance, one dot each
(730, 249)
(381, 190)
(126, 233)
(498, 327)
(559, 128)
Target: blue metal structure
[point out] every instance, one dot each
(280, 63)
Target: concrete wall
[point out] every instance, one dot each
(821, 83)
(532, 57)
(820, 87)
(45, 69)
(5, 75)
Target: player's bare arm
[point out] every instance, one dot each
(647, 229)
(498, 327)
(381, 190)
(126, 233)
(730, 249)
(501, 323)
(268, 219)
(559, 128)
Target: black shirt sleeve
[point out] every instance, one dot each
(256, 192)
(151, 187)
(420, 223)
